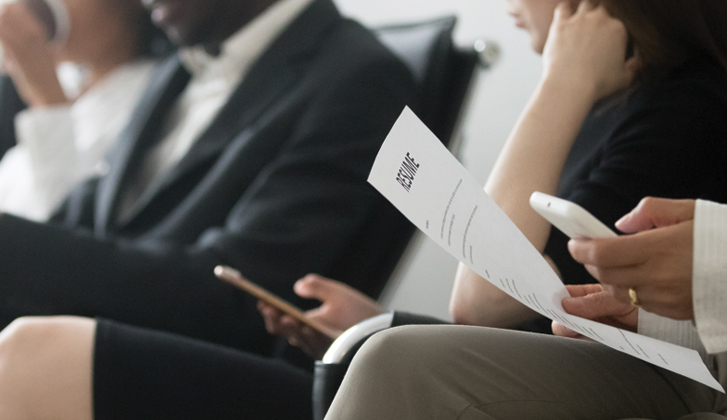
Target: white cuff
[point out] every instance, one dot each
(682, 333)
(709, 280)
(47, 134)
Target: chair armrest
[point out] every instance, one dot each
(353, 336)
(330, 371)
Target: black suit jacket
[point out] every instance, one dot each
(276, 187)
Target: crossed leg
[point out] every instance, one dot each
(68, 368)
(472, 373)
(697, 416)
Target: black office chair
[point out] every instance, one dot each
(446, 76)
(444, 72)
(10, 106)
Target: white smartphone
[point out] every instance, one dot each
(569, 218)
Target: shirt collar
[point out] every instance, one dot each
(245, 46)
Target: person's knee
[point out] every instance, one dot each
(22, 335)
(46, 368)
(395, 350)
(25, 340)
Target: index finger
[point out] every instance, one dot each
(271, 317)
(595, 305)
(268, 310)
(628, 250)
(656, 212)
(563, 331)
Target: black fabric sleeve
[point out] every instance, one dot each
(673, 144)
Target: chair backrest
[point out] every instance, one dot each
(444, 75)
(447, 88)
(442, 71)
(10, 106)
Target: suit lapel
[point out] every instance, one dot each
(143, 129)
(275, 74)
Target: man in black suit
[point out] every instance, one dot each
(272, 182)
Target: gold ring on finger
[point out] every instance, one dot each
(635, 302)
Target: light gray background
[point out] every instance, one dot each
(424, 281)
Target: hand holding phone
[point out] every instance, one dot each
(569, 218)
(234, 277)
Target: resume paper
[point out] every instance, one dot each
(417, 173)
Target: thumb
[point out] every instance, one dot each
(593, 306)
(656, 212)
(314, 286)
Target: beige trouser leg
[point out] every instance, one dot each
(697, 416)
(471, 373)
(720, 401)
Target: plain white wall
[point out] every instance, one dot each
(425, 281)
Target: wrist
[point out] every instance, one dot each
(575, 90)
(48, 100)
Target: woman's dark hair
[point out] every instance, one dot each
(151, 41)
(669, 33)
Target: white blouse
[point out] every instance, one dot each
(58, 147)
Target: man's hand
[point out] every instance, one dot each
(342, 308)
(29, 56)
(656, 262)
(592, 302)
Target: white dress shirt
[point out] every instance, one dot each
(60, 146)
(708, 333)
(213, 81)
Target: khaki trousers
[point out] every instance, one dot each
(473, 373)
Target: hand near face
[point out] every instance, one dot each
(656, 261)
(586, 50)
(592, 301)
(29, 56)
(342, 308)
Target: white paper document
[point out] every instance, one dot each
(429, 186)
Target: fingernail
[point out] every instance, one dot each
(302, 282)
(572, 302)
(298, 284)
(573, 243)
(623, 219)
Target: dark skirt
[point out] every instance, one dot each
(143, 374)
